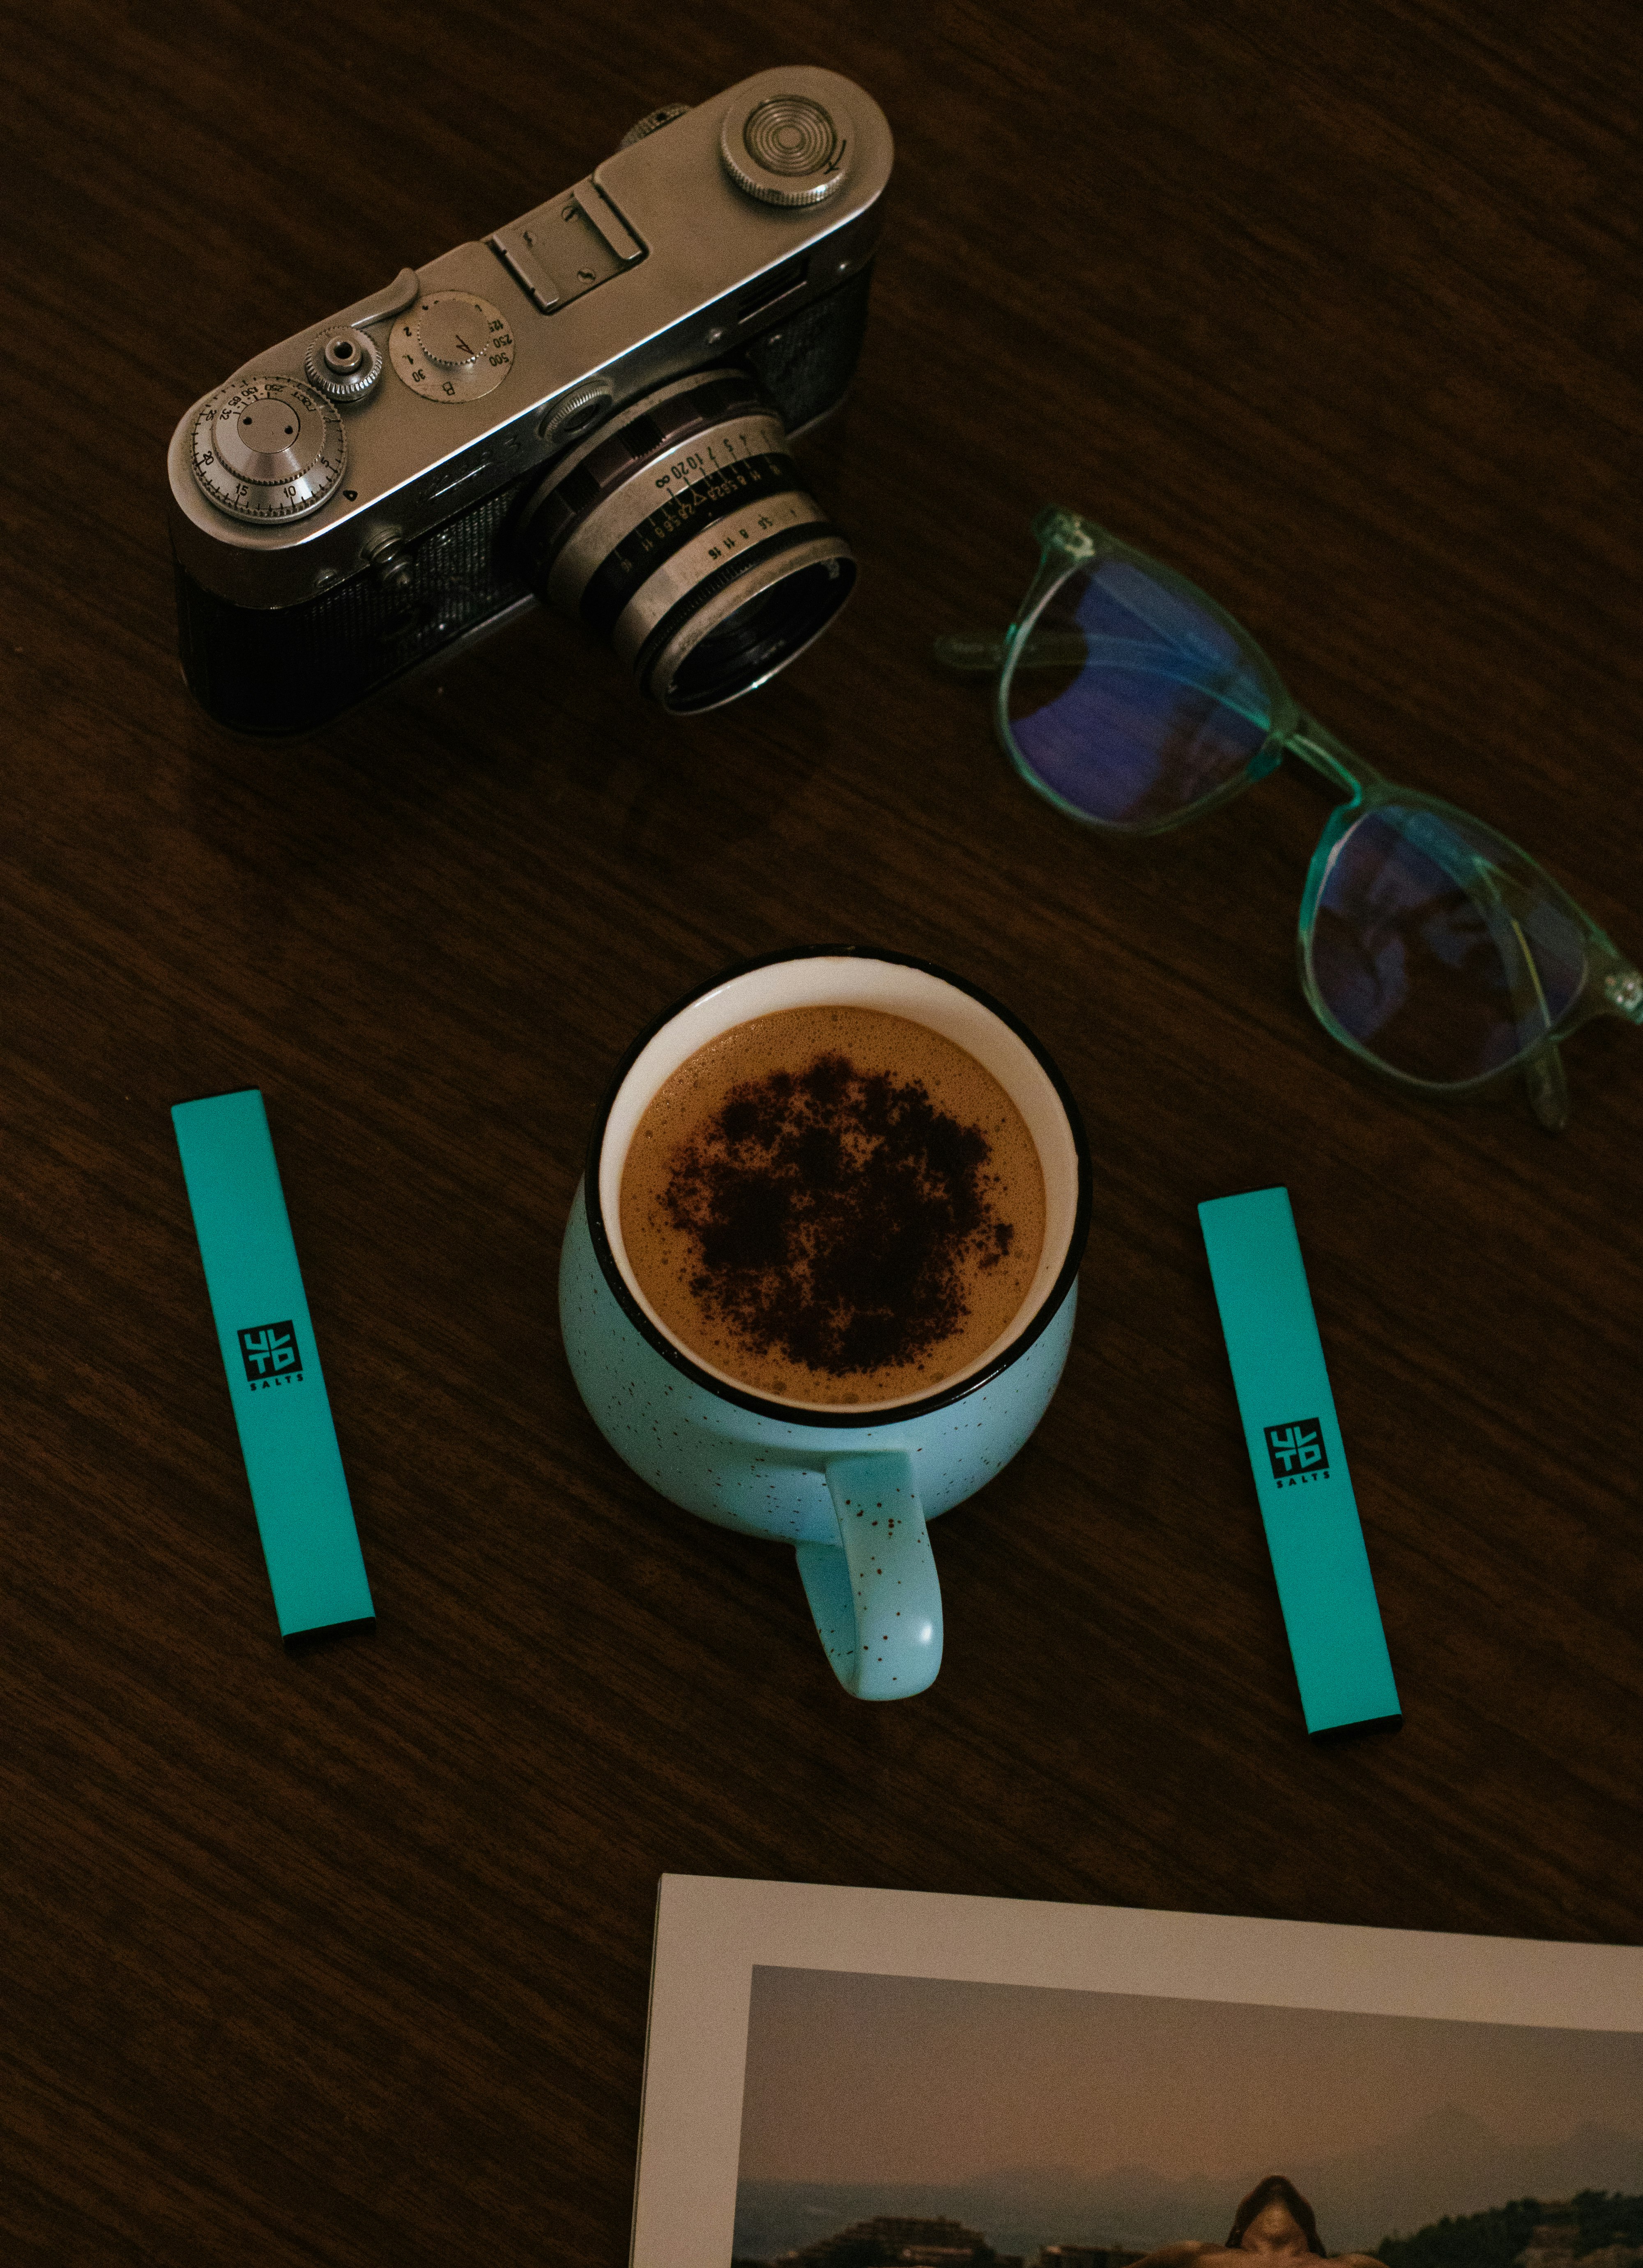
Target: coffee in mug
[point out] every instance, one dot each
(834, 1205)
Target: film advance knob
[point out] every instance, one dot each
(786, 149)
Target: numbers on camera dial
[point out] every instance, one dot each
(267, 449)
(450, 347)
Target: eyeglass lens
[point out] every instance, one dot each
(1129, 703)
(1415, 954)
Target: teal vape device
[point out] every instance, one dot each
(287, 1436)
(1325, 1585)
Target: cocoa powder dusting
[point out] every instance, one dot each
(833, 1214)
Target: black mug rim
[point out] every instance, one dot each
(837, 1419)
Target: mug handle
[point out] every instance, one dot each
(874, 1594)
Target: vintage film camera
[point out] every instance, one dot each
(591, 408)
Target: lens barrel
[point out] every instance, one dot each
(682, 531)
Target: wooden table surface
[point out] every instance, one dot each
(343, 1958)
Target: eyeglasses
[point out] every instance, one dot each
(1431, 947)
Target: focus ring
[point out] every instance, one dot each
(673, 525)
(606, 461)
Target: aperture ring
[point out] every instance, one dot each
(727, 493)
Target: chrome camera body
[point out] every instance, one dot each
(593, 408)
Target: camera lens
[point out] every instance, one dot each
(682, 531)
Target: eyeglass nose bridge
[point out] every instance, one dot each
(1314, 746)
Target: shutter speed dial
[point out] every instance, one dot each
(267, 449)
(451, 346)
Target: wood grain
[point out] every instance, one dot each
(343, 1958)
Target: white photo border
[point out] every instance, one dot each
(713, 1931)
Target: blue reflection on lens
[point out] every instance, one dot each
(1414, 952)
(1131, 702)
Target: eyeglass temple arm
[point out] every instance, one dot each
(973, 650)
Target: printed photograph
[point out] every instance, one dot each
(934, 2124)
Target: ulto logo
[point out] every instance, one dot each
(271, 1355)
(1297, 1452)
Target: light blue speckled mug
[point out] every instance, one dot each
(851, 1488)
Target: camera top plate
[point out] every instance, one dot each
(694, 266)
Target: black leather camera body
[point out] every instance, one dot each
(592, 408)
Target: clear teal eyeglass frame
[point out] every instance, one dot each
(1510, 894)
